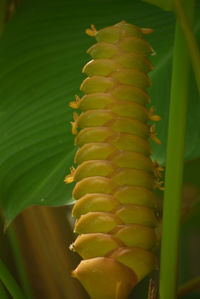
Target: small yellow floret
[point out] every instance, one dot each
(158, 185)
(146, 30)
(153, 116)
(70, 177)
(157, 169)
(152, 134)
(74, 123)
(75, 104)
(91, 31)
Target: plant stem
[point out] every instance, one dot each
(10, 283)
(19, 261)
(175, 160)
(190, 39)
(189, 286)
(3, 293)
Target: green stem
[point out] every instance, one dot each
(3, 293)
(19, 262)
(189, 286)
(10, 283)
(190, 39)
(175, 160)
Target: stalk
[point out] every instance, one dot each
(3, 293)
(190, 38)
(19, 262)
(10, 283)
(175, 160)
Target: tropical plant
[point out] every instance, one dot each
(42, 51)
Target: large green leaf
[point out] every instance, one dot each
(42, 52)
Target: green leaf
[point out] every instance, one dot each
(42, 52)
(164, 4)
(9, 282)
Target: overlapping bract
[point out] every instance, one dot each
(115, 202)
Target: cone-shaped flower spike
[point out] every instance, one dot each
(115, 177)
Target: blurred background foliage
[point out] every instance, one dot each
(42, 51)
